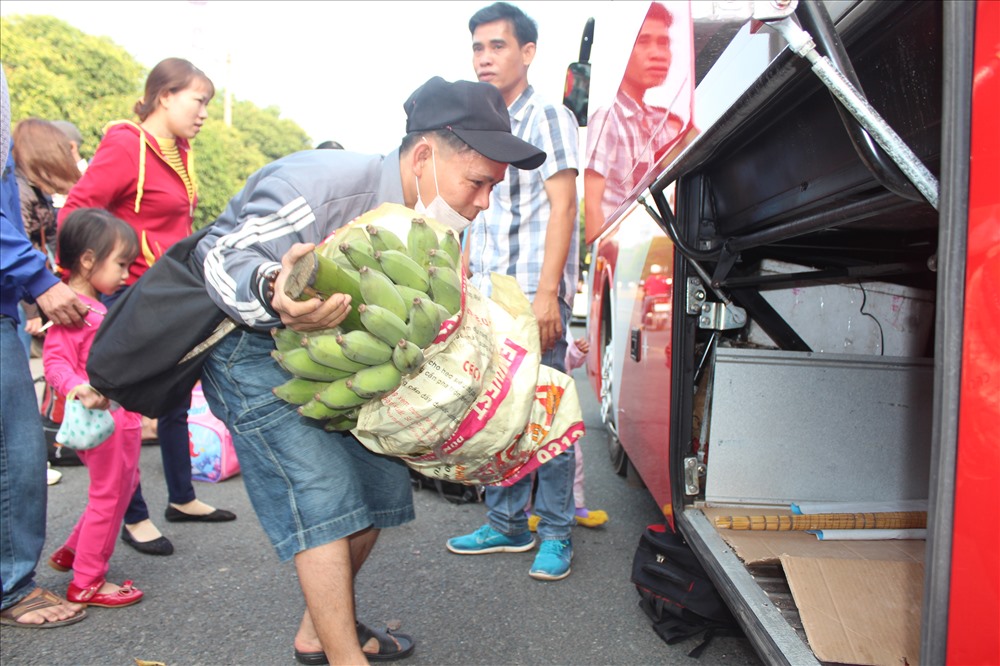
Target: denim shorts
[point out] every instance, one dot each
(308, 486)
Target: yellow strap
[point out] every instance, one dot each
(142, 169)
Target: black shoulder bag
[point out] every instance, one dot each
(149, 351)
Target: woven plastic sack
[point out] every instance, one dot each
(481, 409)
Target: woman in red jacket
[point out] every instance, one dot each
(144, 174)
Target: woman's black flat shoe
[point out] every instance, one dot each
(218, 516)
(158, 546)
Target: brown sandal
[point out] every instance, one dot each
(38, 599)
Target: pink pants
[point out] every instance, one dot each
(578, 498)
(114, 474)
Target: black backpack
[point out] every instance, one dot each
(675, 592)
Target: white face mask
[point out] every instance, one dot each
(439, 209)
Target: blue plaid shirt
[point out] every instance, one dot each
(509, 237)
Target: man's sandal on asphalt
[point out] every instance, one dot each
(387, 649)
(38, 599)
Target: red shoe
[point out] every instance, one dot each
(62, 559)
(88, 596)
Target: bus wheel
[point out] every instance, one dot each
(619, 459)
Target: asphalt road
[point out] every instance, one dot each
(224, 598)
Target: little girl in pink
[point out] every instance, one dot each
(95, 250)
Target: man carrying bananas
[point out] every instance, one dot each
(321, 497)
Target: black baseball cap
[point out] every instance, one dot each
(476, 113)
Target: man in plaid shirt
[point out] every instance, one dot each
(530, 231)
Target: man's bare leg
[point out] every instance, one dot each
(327, 580)
(308, 638)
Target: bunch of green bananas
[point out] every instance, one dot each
(400, 294)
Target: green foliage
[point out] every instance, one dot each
(263, 128)
(55, 71)
(223, 162)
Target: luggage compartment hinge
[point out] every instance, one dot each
(712, 315)
(693, 471)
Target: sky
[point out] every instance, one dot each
(342, 69)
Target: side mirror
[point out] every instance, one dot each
(576, 93)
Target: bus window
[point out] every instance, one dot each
(629, 136)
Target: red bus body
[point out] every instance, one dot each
(752, 178)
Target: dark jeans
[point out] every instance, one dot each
(175, 451)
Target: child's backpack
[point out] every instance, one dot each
(676, 593)
(213, 457)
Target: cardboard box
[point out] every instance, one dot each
(859, 601)
(858, 611)
(878, 318)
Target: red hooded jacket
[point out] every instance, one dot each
(130, 178)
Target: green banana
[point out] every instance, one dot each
(446, 288)
(408, 294)
(383, 239)
(360, 254)
(325, 350)
(352, 234)
(407, 357)
(314, 275)
(299, 391)
(403, 270)
(332, 252)
(285, 339)
(314, 409)
(451, 245)
(424, 324)
(440, 258)
(377, 289)
(338, 395)
(364, 347)
(375, 381)
(353, 413)
(341, 260)
(383, 324)
(420, 239)
(442, 313)
(299, 363)
(340, 424)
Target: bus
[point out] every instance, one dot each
(793, 215)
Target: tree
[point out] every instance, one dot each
(223, 163)
(55, 71)
(263, 128)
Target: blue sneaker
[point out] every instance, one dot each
(488, 540)
(552, 561)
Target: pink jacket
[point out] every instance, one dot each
(66, 350)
